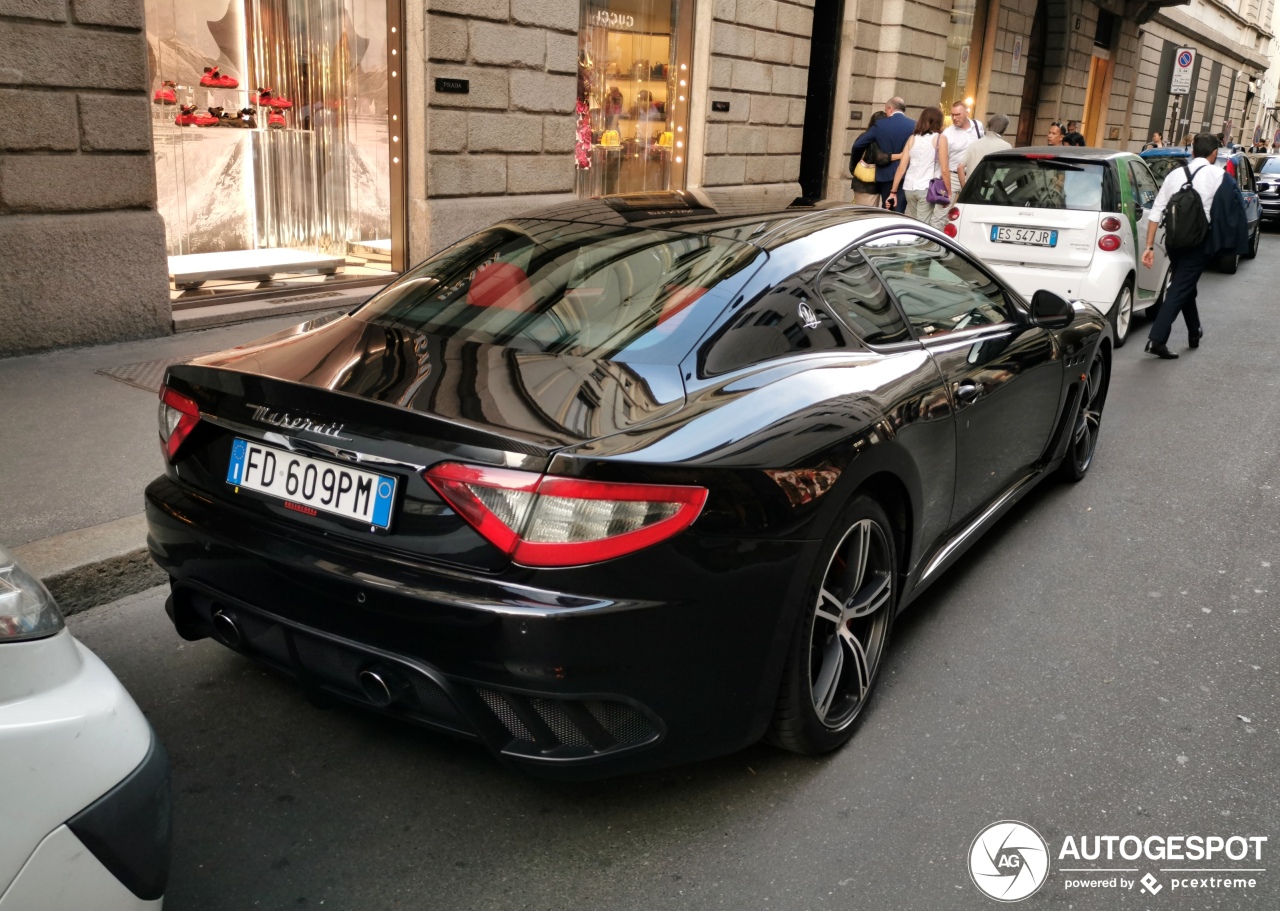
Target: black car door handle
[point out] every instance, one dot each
(968, 391)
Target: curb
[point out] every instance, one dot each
(92, 566)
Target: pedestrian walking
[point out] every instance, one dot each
(993, 141)
(963, 132)
(1157, 142)
(1055, 134)
(865, 191)
(1187, 260)
(1073, 136)
(890, 135)
(924, 161)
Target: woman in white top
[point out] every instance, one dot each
(923, 159)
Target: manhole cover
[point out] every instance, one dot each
(146, 375)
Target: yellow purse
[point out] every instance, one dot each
(610, 138)
(666, 139)
(864, 172)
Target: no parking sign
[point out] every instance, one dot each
(1183, 60)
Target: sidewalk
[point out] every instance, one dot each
(79, 444)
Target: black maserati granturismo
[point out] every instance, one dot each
(625, 483)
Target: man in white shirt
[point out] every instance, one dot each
(960, 135)
(991, 142)
(1185, 266)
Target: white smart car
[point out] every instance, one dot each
(1071, 220)
(84, 823)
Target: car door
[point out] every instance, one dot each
(1249, 188)
(1003, 374)
(1143, 189)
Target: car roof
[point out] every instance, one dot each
(1074, 153)
(755, 220)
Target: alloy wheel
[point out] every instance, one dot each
(851, 623)
(1084, 436)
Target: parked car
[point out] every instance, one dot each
(1238, 165)
(86, 782)
(620, 484)
(1070, 219)
(1267, 178)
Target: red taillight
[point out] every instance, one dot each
(178, 417)
(1109, 242)
(949, 229)
(1111, 223)
(542, 520)
(1231, 168)
(953, 214)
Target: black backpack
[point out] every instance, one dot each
(1185, 224)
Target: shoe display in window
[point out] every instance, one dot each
(188, 116)
(275, 121)
(213, 79)
(166, 94)
(265, 98)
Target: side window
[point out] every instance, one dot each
(1248, 185)
(938, 289)
(1143, 184)
(786, 319)
(855, 293)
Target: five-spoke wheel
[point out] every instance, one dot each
(841, 639)
(1088, 421)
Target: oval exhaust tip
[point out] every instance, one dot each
(226, 630)
(377, 688)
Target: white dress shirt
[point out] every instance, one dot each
(1205, 179)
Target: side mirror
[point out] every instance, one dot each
(1049, 311)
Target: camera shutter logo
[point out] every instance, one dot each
(1008, 861)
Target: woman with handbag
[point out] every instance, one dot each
(920, 171)
(865, 191)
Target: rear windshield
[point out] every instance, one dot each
(1271, 166)
(565, 288)
(1036, 183)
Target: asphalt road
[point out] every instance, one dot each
(1106, 662)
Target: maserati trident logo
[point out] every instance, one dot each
(286, 421)
(808, 316)
(1008, 861)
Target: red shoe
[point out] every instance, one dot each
(275, 121)
(165, 94)
(214, 80)
(277, 103)
(186, 116)
(262, 97)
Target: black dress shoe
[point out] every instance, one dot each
(1160, 349)
(1193, 338)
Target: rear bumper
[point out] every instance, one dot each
(666, 656)
(1099, 284)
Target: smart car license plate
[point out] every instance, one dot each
(1032, 237)
(309, 485)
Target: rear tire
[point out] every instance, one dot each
(1254, 242)
(1229, 264)
(841, 635)
(1122, 314)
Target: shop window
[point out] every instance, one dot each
(964, 48)
(633, 96)
(275, 143)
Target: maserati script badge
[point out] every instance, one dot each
(289, 422)
(808, 316)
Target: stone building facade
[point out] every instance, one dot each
(496, 106)
(82, 246)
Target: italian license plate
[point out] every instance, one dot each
(1032, 237)
(308, 485)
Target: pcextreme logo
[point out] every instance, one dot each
(1009, 861)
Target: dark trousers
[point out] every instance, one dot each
(1181, 296)
(885, 186)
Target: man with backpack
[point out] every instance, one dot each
(1185, 204)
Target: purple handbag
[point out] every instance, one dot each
(939, 194)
